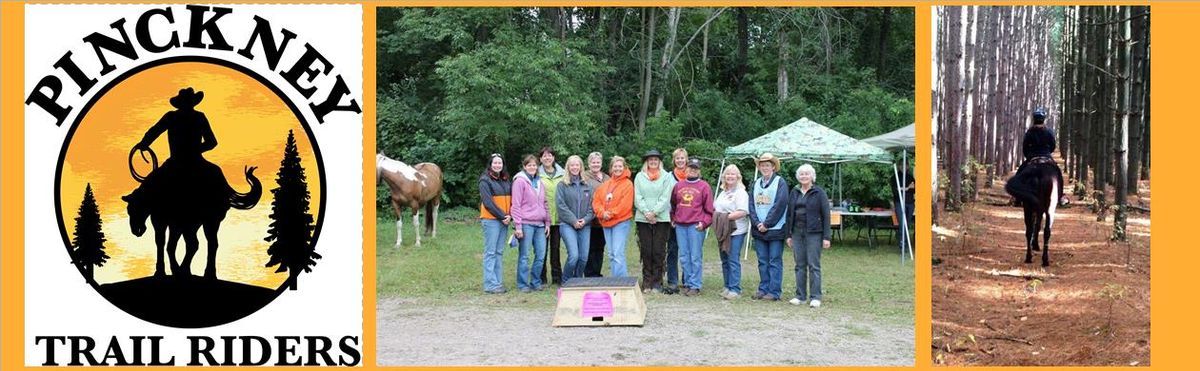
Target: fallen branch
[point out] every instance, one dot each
(1004, 335)
(1009, 338)
(1028, 276)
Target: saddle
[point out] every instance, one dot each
(1041, 160)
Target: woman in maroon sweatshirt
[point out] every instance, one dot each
(692, 212)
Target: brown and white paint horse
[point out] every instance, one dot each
(413, 187)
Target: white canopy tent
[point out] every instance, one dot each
(807, 140)
(901, 139)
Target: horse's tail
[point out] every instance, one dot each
(1020, 188)
(1020, 192)
(429, 206)
(245, 201)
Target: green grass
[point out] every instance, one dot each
(858, 280)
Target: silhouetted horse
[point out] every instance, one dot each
(1036, 188)
(413, 187)
(183, 211)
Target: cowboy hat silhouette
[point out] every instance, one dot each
(187, 98)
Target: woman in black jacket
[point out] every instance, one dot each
(495, 201)
(810, 233)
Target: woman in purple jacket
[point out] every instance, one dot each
(530, 215)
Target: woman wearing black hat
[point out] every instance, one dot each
(652, 204)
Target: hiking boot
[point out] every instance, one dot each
(769, 297)
(692, 292)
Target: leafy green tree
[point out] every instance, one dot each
(457, 84)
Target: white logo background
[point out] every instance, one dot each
(329, 300)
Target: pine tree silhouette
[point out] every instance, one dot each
(292, 225)
(88, 251)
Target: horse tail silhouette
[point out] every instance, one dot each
(245, 201)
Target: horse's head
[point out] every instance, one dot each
(138, 212)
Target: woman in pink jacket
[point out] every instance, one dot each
(531, 217)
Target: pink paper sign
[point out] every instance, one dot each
(596, 304)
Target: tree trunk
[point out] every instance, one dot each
(665, 64)
(881, 49)
(953, 62)
(743, 47)
(648, 26)
(1122, 158)
(826, 39)
(781, 74)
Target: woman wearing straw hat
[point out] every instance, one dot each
(768, 219)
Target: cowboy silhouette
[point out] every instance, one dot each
(189, 136)
(187, 192)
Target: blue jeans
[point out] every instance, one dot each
(691, 254)
(672, 261)
(615, 237)
(731, 267)
(494, 233)
(770, 266)
(807, 254)
(578, 243)
(535, 236)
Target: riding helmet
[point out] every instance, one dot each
(1039, 114)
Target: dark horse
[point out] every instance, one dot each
(188, 192)
(183, 215)
(1036, 188)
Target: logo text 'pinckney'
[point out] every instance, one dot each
(157, 31)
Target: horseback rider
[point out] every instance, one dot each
(1038, 145)
(186, 171)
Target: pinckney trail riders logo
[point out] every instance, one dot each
(190, 188)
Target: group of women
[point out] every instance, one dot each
(592, 213)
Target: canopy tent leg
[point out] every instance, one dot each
(905, 244)
(904, 222)
(746, 244)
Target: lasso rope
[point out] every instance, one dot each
(153, 160)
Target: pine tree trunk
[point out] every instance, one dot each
(954, 93)
(1122, 157)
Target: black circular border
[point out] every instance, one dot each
(171, 60)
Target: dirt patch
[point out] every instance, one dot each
(1089, 307)
(677, 332)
